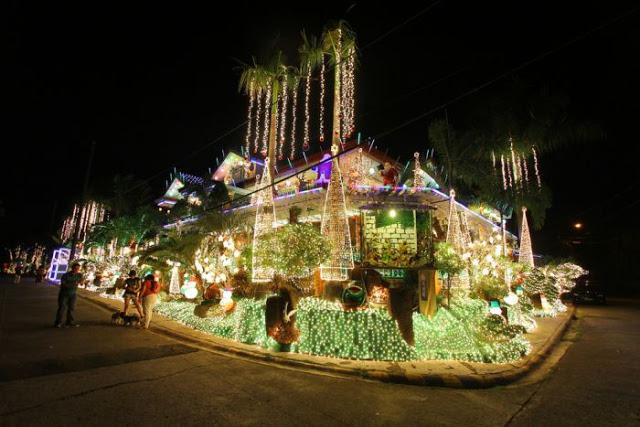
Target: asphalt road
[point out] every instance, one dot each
(99, 374)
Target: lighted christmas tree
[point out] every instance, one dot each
(265, 217)
(174, 283)
(456, 240)
(464, 229)
(454, 231)
(418, 178)
(335, 226)
(526, 253)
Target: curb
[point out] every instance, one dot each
(466, 381)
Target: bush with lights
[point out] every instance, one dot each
(294, 251)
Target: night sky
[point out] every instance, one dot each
(152, 83)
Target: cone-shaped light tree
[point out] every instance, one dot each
(265, 217)
(335, 226)
(456, 240)
(526, 252)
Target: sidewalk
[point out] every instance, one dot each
(432, 373)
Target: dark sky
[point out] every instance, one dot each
(152, 82)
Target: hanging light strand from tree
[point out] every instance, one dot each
(322, 95)
(525, 169)
(350, 93)
(256, 139)
(283, 120)
(535, 166)
(504, 173)
(267, 116)
(307, 94)
(294, 119)
(247, 139)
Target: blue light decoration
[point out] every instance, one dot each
(59, 264)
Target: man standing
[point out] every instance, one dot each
(67, 296)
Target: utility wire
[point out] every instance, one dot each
(506, 73)
(327, 71)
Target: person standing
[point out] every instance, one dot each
(132, 293)
(67, 295)
(18, 275)
(40, 274)
(149, 296)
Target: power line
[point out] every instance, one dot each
(327, 71)
(506, 73)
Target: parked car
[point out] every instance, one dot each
(588, 290)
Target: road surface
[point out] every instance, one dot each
(99, 374)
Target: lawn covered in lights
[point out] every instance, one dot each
(464, 332)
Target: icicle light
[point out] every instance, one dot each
(267, 116)
(504, 173)
(535, 166)
(307, 94)
(283, 118)
(247, 143)
(256, 138)
(322, 93)
(294, 119)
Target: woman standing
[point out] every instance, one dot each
(149, 296)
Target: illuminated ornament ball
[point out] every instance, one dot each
(511, 299)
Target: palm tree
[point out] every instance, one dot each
(268, 79)
(338, 41)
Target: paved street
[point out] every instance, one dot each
(100, 374)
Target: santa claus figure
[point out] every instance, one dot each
(389, 175)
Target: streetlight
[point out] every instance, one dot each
(577, 225)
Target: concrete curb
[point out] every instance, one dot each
(469, 381)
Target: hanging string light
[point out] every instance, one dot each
(322, 92)
(247, 143)
(294, 110)
(276, 138)
(267, 116)
(509, 181)
(283, 117)
(307, 94)
(525, 169)
(504, 174)
(513, 163)
(256, 139)
(519, 159)
(352, 91)
(344, 118)
(535, 166)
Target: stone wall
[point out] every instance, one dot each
(393, 235)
